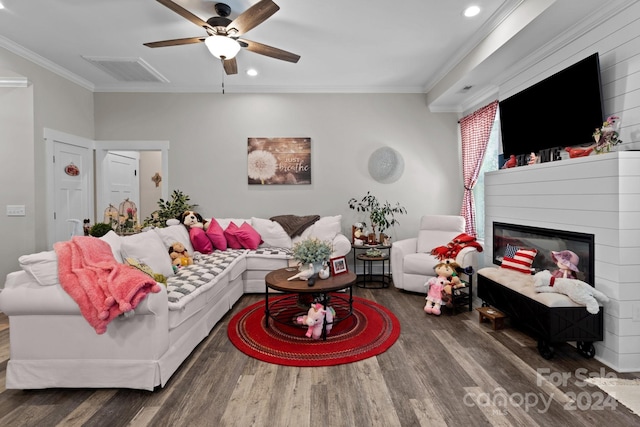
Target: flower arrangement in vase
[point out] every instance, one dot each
(312, 251)
(381, 215)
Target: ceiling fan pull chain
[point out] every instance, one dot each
(222, 60)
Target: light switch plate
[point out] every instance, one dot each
(16, 210)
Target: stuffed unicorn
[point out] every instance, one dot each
(579, 291)
(314, 319)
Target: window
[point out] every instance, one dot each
(489, 163)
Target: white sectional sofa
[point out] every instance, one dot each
(53, 345)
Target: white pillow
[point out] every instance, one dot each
(115, 242)
(325, 229)
(42, 266)
(148, 248)
(175, 233)
(272, 233)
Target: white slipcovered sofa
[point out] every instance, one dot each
(411, 260)
(53, 345)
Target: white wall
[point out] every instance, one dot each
(150, 164)
(49, 101)
(208, 155)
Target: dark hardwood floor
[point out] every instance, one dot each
(446, 370)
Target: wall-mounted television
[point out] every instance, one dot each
(560, 111)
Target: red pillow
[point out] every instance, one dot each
(231, 234)
(200, 241)
(521, 261)
(215, 233)
(248, 237)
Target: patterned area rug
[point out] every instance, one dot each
(370, 331)
(624, 391)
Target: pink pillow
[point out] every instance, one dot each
(216, 235)
(231, 234)
(248, 237)
(200, 241)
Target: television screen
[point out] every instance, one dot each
(560, 111)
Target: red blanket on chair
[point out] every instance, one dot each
(101, 286)
(451, 250)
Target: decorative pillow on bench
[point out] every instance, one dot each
(518, 259)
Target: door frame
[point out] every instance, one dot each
(103, 147)
(50, 138)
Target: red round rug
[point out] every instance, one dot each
(371, 330)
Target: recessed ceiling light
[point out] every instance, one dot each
(252, 72)
(471, 11)
(1, 6)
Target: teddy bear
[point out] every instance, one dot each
(579, 291)
(179, 255)
(450, 270)
(314, 319)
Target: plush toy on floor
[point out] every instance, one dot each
(314, 319)
(435, 286)
(579, 291)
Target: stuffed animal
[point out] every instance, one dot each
(193, 219)
(579, 291)
(450, 270)
(567, 262)
(179, 255)
(435, 285)
(315, 318)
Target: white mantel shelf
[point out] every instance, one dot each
(600, 195)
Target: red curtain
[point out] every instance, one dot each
(475, 130)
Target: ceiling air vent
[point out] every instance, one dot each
(127, 69)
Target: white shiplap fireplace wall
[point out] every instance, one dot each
(599, 195)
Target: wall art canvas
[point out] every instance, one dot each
(279, 161)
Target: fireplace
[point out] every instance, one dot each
(546, 240)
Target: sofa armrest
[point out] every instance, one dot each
(399, 250)
(22, 295)
(467, 257)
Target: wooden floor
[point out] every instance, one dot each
(446, 370)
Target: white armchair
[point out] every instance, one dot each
(411, 261)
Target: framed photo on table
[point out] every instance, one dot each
(338, 265)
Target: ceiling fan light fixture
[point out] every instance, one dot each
(222, 47)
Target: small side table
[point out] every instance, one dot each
(370, 280)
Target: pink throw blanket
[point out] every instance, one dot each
(100, 285)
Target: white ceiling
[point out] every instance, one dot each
(404, 46)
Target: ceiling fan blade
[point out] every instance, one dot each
(184, 13)
(271, 51)
(252, 17)
(176, 42)
(230, 66)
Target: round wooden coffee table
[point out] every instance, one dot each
(300, 296)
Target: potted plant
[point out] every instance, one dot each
(381, 215)
(312, 251)
(169, 209)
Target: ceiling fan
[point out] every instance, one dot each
(223, 39)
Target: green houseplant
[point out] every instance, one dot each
(381, 215)
(312, 251)
(169, 209)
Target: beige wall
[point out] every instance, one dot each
(208, 152)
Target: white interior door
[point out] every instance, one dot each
(122, 178)
(73, 167)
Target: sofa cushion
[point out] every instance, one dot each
(175, 233)
(215, 233)
(420, 263)
(272, 233)
(521, 261)
(325, 229)
(42, 266)
(200, 240)
(115, 241)
(148, 248)
(231, 234)
(248, 237)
